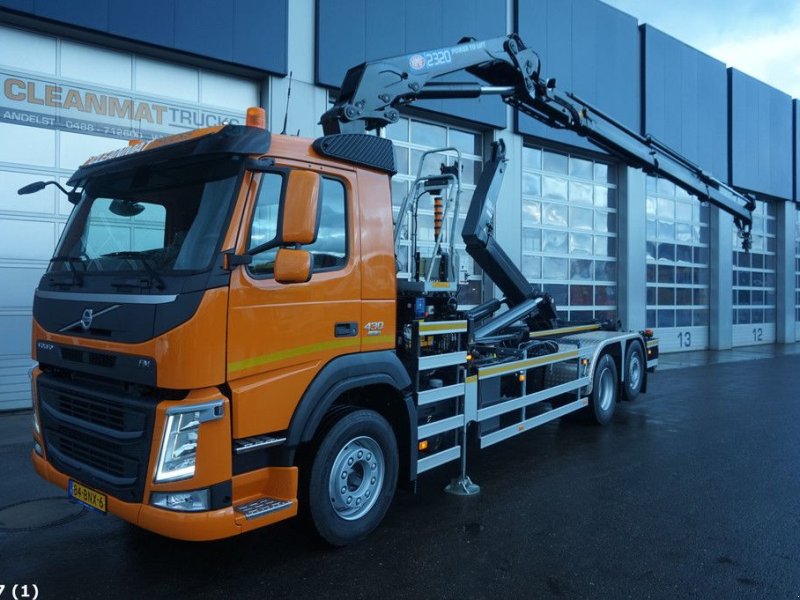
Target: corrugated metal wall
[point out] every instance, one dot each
(685, 100)
(252, 33)
(352, 31)
(760, 137)
(592, 50)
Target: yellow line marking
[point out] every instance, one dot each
(351, 342)
(527, 364)
(562, 330)
(378, 339)
(455, 326)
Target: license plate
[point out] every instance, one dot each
(87, 496)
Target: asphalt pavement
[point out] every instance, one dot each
(693, 491)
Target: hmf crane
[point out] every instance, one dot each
(223, 337)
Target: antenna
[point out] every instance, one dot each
(288, 95)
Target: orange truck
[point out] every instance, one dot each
(223, 337)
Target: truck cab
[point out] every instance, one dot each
(202, 283)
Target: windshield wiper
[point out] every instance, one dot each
(70, 260)
(146, 261)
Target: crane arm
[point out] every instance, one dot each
(372, 92)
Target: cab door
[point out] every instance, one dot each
(280, 335)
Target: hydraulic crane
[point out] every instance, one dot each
(372, 92)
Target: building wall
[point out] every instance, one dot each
(592, 50)
(685, 100)
(252, 33)
(760, 136)
(347, 35)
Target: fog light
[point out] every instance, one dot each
(38, 449)
(190, 501)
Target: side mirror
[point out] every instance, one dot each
(300, 209)
(292, 266)
(73, 196)
(31, 188)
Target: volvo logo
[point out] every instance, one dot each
(86, 319)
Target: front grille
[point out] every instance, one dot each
(105, 414)
(97, 435)
(104, 459)
(97, 359)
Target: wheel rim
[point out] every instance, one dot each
(606, 389)
(634, 371)
(356, 478)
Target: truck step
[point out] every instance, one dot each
(256, 442)
(261, 507)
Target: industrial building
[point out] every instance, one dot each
(606, 241)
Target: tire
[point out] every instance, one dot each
(353, 477)
(634, 371)
(605, 389)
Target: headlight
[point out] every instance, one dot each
(179, 445)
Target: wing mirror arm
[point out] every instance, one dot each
(231, 260)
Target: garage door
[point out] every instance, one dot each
(569, 232)
(677, 267)
(755, 281)
(63, 101)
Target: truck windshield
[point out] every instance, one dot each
(157, 218)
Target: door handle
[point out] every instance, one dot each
(345, 329)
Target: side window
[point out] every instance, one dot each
(329, 252)
(265, 223)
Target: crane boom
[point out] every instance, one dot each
(372, 92)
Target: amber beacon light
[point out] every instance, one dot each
(256, 117)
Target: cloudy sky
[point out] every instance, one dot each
(759, 37)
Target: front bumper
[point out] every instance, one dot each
(190, 526)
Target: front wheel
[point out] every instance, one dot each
(353, 477)
(605, 386)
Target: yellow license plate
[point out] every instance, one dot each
(87, 496)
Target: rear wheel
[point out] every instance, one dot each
(605, 387)
(634, 371)
(353, 477)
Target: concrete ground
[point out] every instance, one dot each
(693, 491)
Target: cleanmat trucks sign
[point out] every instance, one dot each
(59, 105)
